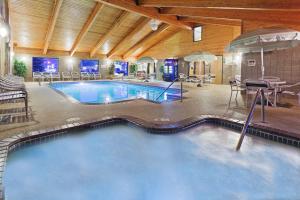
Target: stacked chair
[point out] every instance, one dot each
(96, 75)
(65, 76)
(11, 89)
(75, 75)
(85, 76)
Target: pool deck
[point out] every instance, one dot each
(50, 109)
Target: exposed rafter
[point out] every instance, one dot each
(86, 26)
(38, 51)
(249, 4)
(212, 20)
(148, 42)
(52, 22)
(129, 5)
(115, 27)
(139, 26)
(289, 17)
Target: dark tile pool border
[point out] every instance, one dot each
(32, 137)
(73, 100)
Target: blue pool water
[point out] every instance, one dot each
(110, 91)
(124, 162)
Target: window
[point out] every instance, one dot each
(197, 34)
(49, 65)
(121, 67)
(90, 66)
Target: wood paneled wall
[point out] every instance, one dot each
(284, 64)
(214, 40)
(253, 25)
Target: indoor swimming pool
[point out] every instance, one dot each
(101, 92)
(126, 162)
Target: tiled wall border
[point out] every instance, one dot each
(25, 138)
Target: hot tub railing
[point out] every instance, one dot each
(181, 89)
(260, 86)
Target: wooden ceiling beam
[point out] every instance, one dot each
(114, 27)
(52, 22)
(86, 27)
(38, 51)
(212, 20)
(130, 6)
(142, 46)
(248, 4)
(138, 27)
(289, 17)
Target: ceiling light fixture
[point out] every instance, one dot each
(3, 29)
(154, 24)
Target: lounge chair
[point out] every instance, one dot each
(16, 79)
(75, 75)
(119, 76)
(9, 93)
(130, 76)
(209, 78)
(66, 76)
(84, 76)
(36, 76)
(10, 83)
(55, 76)
(141, 75)
(46, 76)
(198, 80)
(96, 76)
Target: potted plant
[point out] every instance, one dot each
(20, 68)
(161, 70)
(133, 68)
(111, 71)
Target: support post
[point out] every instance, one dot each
(262, 95)
(181, 90)
(262, 63)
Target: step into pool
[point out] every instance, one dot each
(126, 162)
(102, 92)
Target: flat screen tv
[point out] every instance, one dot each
(43, 64)
(121, 67)
(90, 66)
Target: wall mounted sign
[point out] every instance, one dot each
(251, 63)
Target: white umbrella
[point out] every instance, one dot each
(265, 39)
(145, 60)
(200, 56)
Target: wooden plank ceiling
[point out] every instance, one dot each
(120, 28)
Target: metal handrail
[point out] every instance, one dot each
(259, 92)
(181, 91)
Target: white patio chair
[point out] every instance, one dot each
(75, 75)
(36, 76)
(55, 76)
(66, 76)
(84, 76)
(96, 75)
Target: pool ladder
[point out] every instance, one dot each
(181, 89)
(259, 93)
